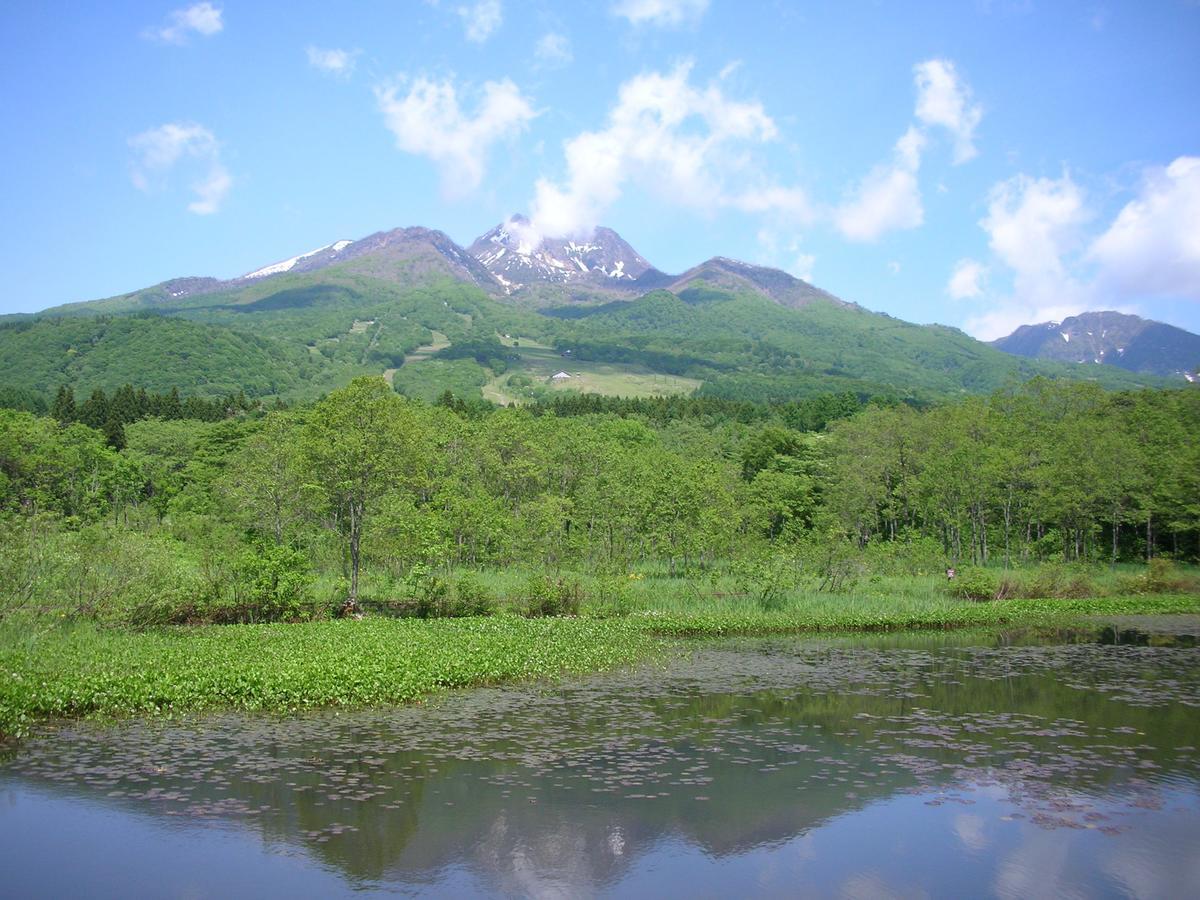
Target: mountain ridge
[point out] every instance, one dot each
(600, 268)
(1108, 337)
(414, 305)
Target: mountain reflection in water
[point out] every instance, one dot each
(950, 765)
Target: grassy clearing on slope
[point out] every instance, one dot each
(532, 376)
(422, 353)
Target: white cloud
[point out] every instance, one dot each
(1032, 226)
(1031, 223)
(1035, 229)
(1004, 319)
(775, 247)
(481, 19)
(333, 61)
(893, 267)
(944, 99)
(211, 191)
(683, 142)
(200, 18)
(426, 119)
(1153, 246)
(158, 151)
(553, 50)
(789, 202)
(668, 13)
(966, 281)
(888, 198)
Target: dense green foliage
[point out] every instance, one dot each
(1046, 469)
(372, 495)
(671, 517)
(745, 347)
(828, 467)
(157, 353)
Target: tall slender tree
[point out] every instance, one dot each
(360, 442)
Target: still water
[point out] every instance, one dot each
(946, 766)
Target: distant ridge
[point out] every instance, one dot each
(431, 316)
(1110, 338)
(602, 267)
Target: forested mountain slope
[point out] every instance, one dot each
(301, 327)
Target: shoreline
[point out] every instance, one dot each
(83, 672)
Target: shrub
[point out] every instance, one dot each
(974, 584)
(767, 580)
(1161, 576)
(612, 595)
(832, 562)
(270, 584)
(910, 554)
(428, 593)
(1060, 581)
(470, 598)
(432, 597)
(547, 596)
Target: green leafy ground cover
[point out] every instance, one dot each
(84, 671)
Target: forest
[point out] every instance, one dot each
(145, 509)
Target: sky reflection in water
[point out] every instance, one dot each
(947, 765)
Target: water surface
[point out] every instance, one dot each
(945, 766)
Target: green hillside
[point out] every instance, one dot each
(154, 352)
(744, 346)
(302, 334)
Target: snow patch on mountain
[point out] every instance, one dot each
(287, 264)
(517, 256)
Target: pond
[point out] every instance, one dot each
(945, 765)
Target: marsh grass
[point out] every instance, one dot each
(62, 667)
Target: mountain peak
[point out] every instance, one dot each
(1109, 337)
(516, 256)
(735, 275)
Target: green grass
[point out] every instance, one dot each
(846, 614)
(540, 364)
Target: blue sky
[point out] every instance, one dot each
(979, 164)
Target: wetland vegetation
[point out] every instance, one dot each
(995, 762)
(160, 558)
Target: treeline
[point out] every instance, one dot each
(367, 490)
(110, 414)
(810, 414)
(1049, 468)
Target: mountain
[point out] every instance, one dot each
(516, 259)
(500, 321)
(544, 273)
(726, 274)
(402, 256)
(1117, 339)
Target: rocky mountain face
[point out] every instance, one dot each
(605, 266)
(410, 254)
(516, 259)
(1110, 338)
(507, 263)
(402, 254)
